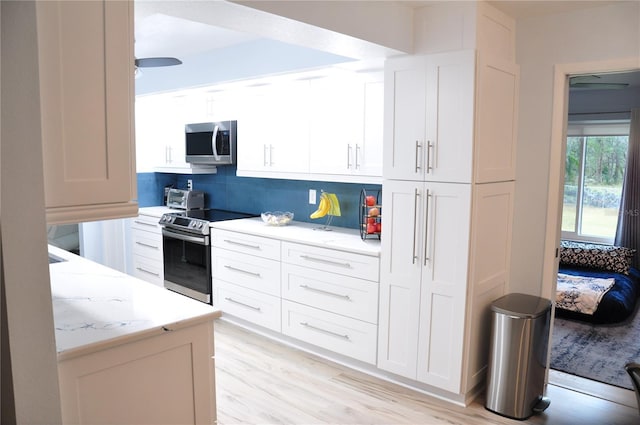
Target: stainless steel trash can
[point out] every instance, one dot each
(517, 358)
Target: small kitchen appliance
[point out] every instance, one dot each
(185, 199)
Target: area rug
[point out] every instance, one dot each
(597, 352)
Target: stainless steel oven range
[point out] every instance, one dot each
(186, 242)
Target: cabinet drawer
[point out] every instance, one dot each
(252, 306)
(149, 270)
(330, 260)
(349, 337)
(248, 244)
(147, 223)
(355, 298)
(147, 244)
(251, 272)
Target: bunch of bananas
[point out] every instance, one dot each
(328, 205)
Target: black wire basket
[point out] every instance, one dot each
(370, 214)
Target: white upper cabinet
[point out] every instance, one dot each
(85, 54)
(443, 126)
(496, 120)
(346, 124)
(273, 131)
(160, 130)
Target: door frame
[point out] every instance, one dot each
(557, 154)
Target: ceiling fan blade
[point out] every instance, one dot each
(157, 62)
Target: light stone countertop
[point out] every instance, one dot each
(96, 307)
(156, 211)
(339, 238)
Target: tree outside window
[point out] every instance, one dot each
(594, 173)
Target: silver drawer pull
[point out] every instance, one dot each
(322, 260)
(241, 271)
(148, 272)
(231, 300)
(315, 328)
(322, 291)
(248, 245)
(145, 223)
(147, 245)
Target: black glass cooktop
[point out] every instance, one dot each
(214, 214)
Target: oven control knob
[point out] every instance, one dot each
(200, 225)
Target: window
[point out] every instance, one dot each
(596, 157)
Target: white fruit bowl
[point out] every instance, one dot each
(277, 218)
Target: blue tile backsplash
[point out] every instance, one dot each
(225, 190)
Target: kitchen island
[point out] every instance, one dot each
(129, 351)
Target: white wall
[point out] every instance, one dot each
(24, 244)
(592, 35)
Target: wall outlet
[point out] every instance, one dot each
(312, 196)
(189, 184)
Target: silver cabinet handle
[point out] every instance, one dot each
(322, 260)
(357, 156)
(148, 272)
(315, 328)
(270, 155)
(348, 156)
(247, 245)
(415, 218)
(429, 159)
(418, 147)
(231, 300)
(264, 155)
(144, 223)
(147, 245)
(426, 228)
(322, 291)
(226, 266)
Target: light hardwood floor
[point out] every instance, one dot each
(260, 381)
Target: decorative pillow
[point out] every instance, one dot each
(596, 256)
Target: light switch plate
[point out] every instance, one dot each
(312, 196)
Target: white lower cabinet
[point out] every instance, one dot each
(445, 257)
(343, 295)
(123, 384)
(334, 332)
(246, 277)
(147, 249)
(324, 297)
(425, 245)
(252, 306)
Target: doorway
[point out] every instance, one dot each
(560, 119)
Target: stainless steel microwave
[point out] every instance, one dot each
(211, 143)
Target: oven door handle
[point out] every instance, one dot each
(200, 240)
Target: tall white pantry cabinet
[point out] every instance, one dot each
(449, 168)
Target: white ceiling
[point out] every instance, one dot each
(159, 34)
(163, 35)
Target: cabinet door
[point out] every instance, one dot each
(404, 118)
(444, 262)
(400, 269)
(86, 89)
(449, 117)
(368, 154)
(273, 135)
(150, 120)
(336, 130)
